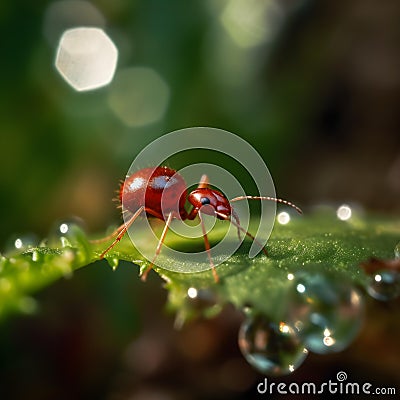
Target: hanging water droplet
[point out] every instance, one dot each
(384, 285)
(201, 299)
(198, 302)
(113, 263)
(35, 256)
(326, 310)
(397, 251)
(272, 349)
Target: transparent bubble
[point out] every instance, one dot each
(68, 233)
(19, 243)
(326, 310)
(384, 285)
(397, 251)
(70, 228)
(86, 58)
(272, 349)
(198, 302)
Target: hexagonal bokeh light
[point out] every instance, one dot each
(86, 58)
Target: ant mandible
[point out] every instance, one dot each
(162, 188)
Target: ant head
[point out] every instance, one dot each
(210, 201)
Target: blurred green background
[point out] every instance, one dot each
(313, 86)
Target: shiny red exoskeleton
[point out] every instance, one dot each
(161, 192)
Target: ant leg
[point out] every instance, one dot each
(239, 227)
(207, 246)
(121, 232)
(288, 203)
(234, 214)
(158, 249)
(110, 236)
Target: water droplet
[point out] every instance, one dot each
(397, 251)
(35, 256)
(326, 310)
(19, 244)
(384, 285)
(113, 263)
(65, 242)
(201, 299)
(273, 349)
(198, 302)
(68, 233)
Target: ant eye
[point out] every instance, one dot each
(205, 200)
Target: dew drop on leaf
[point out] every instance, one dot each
(68, 233)
(271, 348)
(66, 226)
(19, 244)
(384, 285)
(326, 310)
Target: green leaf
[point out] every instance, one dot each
(314, 242)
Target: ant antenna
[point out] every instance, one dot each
(276, 200)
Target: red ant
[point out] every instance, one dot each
(161, 188)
